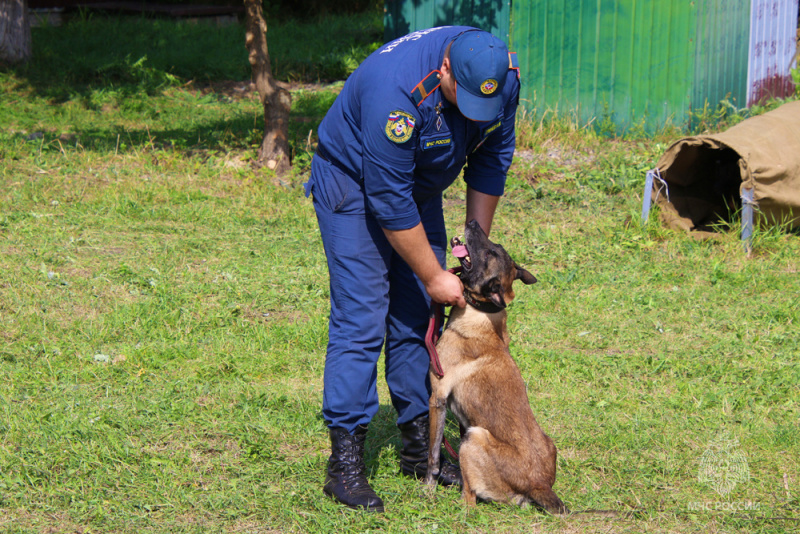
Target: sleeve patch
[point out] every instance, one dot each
(400, 126)
(492, 128)
(487, 132)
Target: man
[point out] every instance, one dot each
(405, 124)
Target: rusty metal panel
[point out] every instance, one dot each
(405, 16)
(772, 49)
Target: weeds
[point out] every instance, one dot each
(796, 81)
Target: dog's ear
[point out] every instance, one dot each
(526, 277)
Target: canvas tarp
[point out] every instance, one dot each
(704, 178)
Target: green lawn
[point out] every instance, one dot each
(163, 316)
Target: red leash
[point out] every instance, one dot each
(431, 337)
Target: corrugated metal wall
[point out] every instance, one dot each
(631, 61)
(628, 62)
(720, 53)
(619, 59)
(405, 16)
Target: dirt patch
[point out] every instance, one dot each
(229, 88)
(550, 163)
(255, 315)
(247, 89)
(24, 520)
(555, 156)
(252, 526)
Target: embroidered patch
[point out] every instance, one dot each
(441, 142)
(492, 128)
(400, 126)
(488, 87)
(488, 131)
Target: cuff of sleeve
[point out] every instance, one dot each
(399, 221)
(488, 185)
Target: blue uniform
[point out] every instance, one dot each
(389, 146)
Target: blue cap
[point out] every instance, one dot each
(480, 63)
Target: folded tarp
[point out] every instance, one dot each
(700, 182)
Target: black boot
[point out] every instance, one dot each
(414, 456)
(346, 480)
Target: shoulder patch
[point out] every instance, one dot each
(400, 126)
(513, 62)
(428, 85)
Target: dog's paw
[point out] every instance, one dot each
(429, 487)
(429, 480)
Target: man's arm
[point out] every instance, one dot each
(481, 207)
(488, 165)
(413, 246)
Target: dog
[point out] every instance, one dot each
(504, 454)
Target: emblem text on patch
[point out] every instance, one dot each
(441, 142)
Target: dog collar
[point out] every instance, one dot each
(482, 306)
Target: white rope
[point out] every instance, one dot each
(662, 184)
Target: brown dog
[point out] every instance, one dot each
(504, 455)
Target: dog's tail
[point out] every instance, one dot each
(547, 499)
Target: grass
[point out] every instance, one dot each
(163, 316)
(97, 49)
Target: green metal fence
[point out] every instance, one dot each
(405, 16)
(623, 63)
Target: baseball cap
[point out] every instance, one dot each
(480, 63)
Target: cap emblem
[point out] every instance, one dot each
(488, 87)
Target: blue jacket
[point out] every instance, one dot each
(392, 130)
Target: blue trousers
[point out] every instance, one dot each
(376, 302)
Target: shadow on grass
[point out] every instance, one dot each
(141, 54)
(226, 134)
(383, 433)
(94, 82)
(188, 122)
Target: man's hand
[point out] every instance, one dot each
(412, 245)
(446, 288)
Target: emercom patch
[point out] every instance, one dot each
(400, 126)
(441, 142)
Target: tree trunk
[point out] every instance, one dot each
(15, 31)
(275, 152)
